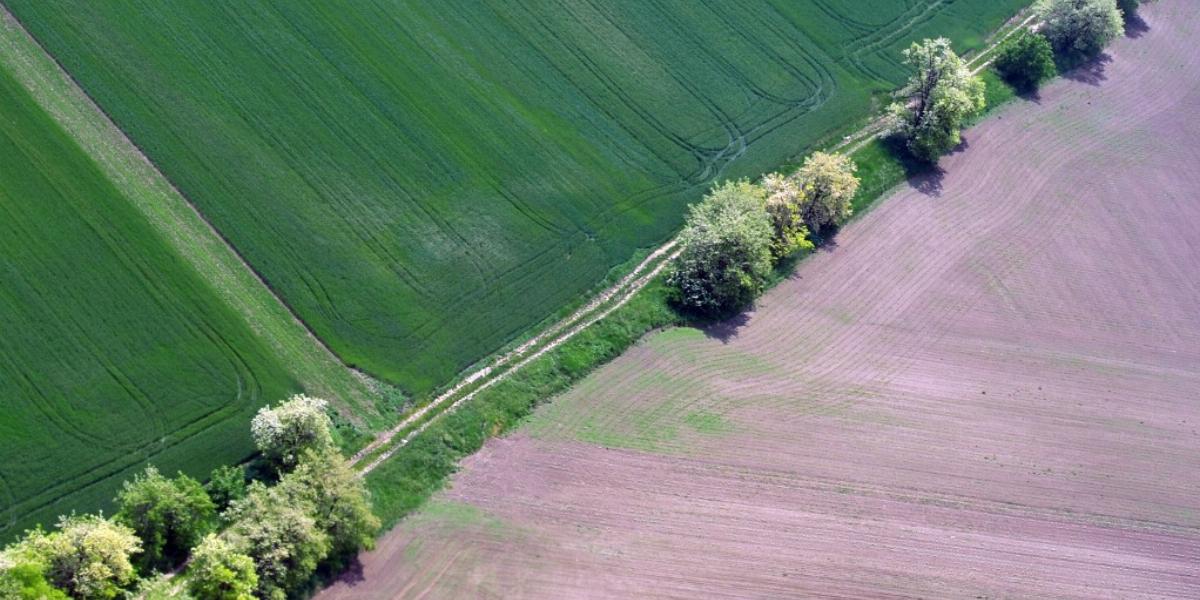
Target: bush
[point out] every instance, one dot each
(726, 256)
(1025, 61)
(284, 432)
(341, 505)
(937, 100)
(1079, 29)
(225, 485)
(168, 515)
(785, 205)
(88, 557)
(281, 537)
(25, 581)
(828, 184)
(218, 571)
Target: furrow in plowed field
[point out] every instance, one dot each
(988, 388)
(421, 182)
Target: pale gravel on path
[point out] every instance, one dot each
(987, 389)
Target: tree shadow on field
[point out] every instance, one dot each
(1089, 71)
(351, 576)
(923, 176)
(1136, 26)
(726, 329)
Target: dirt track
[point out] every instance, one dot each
(990, 388)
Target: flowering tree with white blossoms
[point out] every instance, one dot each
(284, 432)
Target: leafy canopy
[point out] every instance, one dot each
(225, 485)
(168, 515)
(281, 536)
(828, 184)
(218, 571)
(1080, 29)
(726, 256)
(785, 206)
(88, 557)
(937, 100)
(284, 432)
(1025, 61)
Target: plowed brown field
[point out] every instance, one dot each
(989, 389)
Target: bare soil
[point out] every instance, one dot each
(990, 388)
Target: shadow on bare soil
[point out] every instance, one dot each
(1090, 72)
(1135, 26)
(728, 329)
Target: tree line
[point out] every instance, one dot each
(236, 537)
(735, 236)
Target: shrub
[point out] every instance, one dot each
(281, 536)
(341, 505)
(284, 432)
(168, 515)
(88, 557)
(1025, 61)
(24, 580)
(225, 485)
(160, 587)
(1079, 29)
(785, 203)
(218, 571)
(938, 98)
(726, 256)
(828, 184)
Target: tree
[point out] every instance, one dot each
(168, 515)
(160, 587)
(1079, 29)
(785, 203)
(828, 184)
(938, 98)
(219, 571)
(726, 256)
(25, 580)
(1025, 61)
(225, 485)
(341, 504)
(281, 536)
(283, 433)
(88, 557)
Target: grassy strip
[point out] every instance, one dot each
(180, 226)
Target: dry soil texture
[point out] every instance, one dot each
(989, 389)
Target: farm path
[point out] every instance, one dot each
(986, 389)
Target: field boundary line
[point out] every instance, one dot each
(174, 217)
(442, 404)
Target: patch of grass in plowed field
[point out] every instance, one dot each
(422, 181)
(112, 350)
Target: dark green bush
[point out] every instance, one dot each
(1025, 61)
